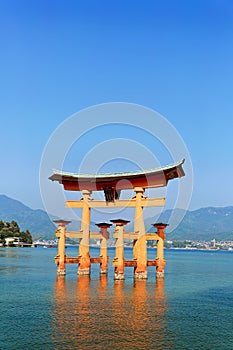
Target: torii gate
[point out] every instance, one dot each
(112, 185)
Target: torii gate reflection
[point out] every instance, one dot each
(93, 314)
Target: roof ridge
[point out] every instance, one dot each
(137, 172)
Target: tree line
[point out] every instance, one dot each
(12, 229)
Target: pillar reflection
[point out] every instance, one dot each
(60, 323)
(95, 314)
(140, 314)
(103, 283)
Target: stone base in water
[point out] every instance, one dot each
(84, 271)
(141, 275)
(119, 276)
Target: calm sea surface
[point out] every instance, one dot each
(191, 309)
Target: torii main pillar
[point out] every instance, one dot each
(140, 247)
(85, 262)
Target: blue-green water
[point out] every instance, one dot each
(192, 309)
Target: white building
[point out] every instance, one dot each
(12, 240)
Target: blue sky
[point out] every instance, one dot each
(176, 57)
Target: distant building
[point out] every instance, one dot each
(213, 243)
(12, 240)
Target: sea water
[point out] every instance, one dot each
(191, 309)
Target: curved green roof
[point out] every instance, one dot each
(57, 174)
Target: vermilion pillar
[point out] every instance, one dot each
(61, 235)
(104, 246)
(84, 246)
(118, 261)
(160, 249)
(140, 247)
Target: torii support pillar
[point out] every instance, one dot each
(118, 261)
(140, 247)
(104, 246)
(160, 249)
(84, 246)
(61, 235)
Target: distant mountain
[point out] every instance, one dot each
(36, 221)
(201, 224)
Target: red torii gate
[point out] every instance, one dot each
(112, 184)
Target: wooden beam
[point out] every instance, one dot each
(98, 260)
(152, 262)
(130, 263)
(123, 203)
(95, 235)
(70, 234)
(133, 263)
(133, 235)
(130, 235)
(127, 235)
(68, 260)
(152, 237)
(79, 234)
(76, 260)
